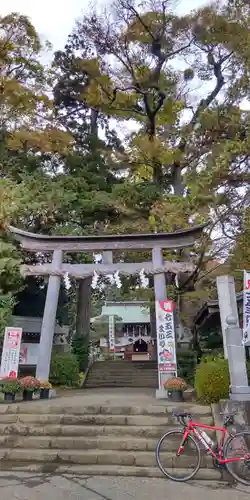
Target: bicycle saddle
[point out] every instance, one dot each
(181, 414)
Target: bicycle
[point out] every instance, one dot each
(193, 437)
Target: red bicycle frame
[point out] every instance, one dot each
(192, 427)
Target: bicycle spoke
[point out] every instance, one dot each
(182, 467)
(238, 447)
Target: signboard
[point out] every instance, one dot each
(111, 334)
(166, 351)
(11, 351)
(246, 307)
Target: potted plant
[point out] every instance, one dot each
(10, 386)
(45, 387)
(175, 387)
(29, 385)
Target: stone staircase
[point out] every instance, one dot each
(122, 374)
(90, 440)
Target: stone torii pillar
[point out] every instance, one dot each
(49, 320)
(239, 388)
(227, 304)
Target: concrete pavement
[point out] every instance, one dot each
(28, 486)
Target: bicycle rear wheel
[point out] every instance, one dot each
(238, 446)
(178, 468)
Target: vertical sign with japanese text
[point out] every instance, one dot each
(111, 334)
(246, 307)
(165, 336)
(11, 352)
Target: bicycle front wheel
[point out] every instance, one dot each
(237, 447)
(178, 468)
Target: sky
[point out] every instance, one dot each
(54, 19)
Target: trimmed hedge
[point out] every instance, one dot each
(64, 370)
(212, 380)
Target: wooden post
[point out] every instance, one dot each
(49, 320)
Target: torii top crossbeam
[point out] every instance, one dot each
(45, 243)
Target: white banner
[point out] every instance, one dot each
(166, 350)
(111, 333)
(11, 351)
(246, 307)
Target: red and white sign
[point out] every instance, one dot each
(11, 352)
(165, 336)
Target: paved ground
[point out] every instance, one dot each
(113, 397)
(24, 486)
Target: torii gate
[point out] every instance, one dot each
(104, 244)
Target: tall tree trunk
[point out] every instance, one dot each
(84, 286)
(83, 319)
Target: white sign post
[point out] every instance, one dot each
(165, 340)
(11, 352)
(246, 307)
(112, 334)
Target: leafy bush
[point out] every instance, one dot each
(186, 364)
(10, 385)
(64, 370)
(212, 380)
(80, 348)
(248, 371)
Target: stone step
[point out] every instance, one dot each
(99, 442)
(128, 381)
(83, 430)
(134, 373)
(98, 419)
(122, 376)
(203, 474)
(79, 443)
(109, 384)
(96, 431)
(55, 408)
(133, 367)
(129, 375)
(122, 363)
(96, 456)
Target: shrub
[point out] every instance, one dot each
(10, 385)
(64, 370)
(248, 371)
(80, 348)
(212, 380)
(186, 364)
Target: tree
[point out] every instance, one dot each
(10, 279)
(190, 151)
(90, 171)
(30, 141)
